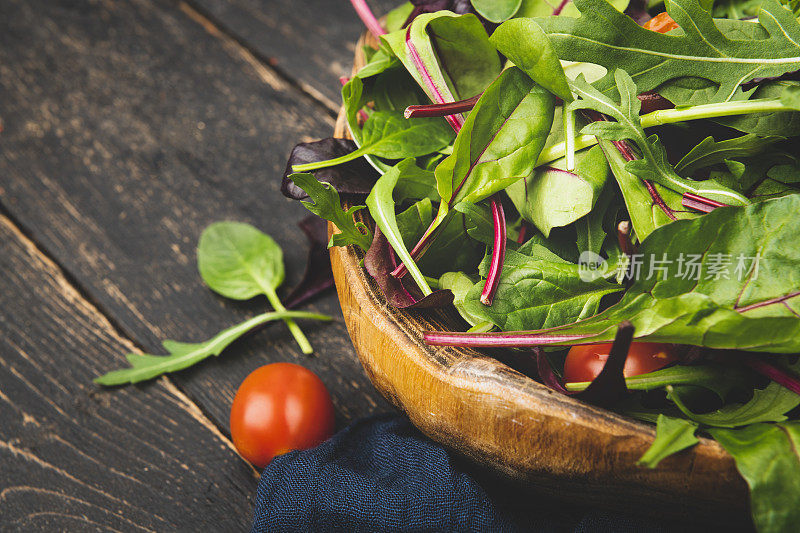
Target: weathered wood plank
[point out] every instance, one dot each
(75, 458)
(128, 128)
(312, 41)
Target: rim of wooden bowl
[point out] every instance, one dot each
(499, 417)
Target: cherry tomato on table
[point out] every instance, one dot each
(278, 408)
(584, 363)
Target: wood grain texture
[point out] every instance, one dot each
(129, 126)
(498, 416)
(311, 42)
(73, 457)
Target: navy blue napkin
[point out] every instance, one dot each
(382, 474)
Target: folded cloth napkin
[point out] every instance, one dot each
(382, 474)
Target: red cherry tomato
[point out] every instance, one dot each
(584, 363)
(661, 23)
(278, 408)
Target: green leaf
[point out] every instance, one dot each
(589, 231)
(767, 405)
(415, 183)
(545, 8)
(609, 38)
(455, 52)
(500, 141)
(791, 97)
(382, 208)
(653, 164)
(413, 222)
(460, 284)
(325, 202)
(687, 302)
(554, 197)
(183, 355)
(767, 457)
(238, 261)
(453, 246)
(524, 43)
(496, 10)
(391, 136)
(672, 435)
(709, 152)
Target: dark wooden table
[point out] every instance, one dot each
(127, 127)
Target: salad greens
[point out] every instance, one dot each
(563, 174)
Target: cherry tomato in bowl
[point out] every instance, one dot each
(278, 408)
(584, 363)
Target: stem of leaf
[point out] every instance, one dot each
(569, 137)
(297, 333)
(498, 252)
(368, 17)
(305, 167)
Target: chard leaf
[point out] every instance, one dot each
(609, 38)
(415, 183)
(767, 457)
(767, 405)
(750, 309)
(460, 284)
(413, 222)
(709, 152)
(524, 43)
(382, 208)
(448, 55)
(389, 135)
(183, 355)
(496, 10)
(654, 164)
(554, 197)
(500, 141)
(325, 202)
(672, 436)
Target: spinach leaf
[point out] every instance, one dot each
(382, 208)
(500, 141)
(453, 247)
(415, 183)
(391, 136)
(524, 43)
(590, 233)
(553, 196)
(609, 38)
(183, 355)
(672, 436)
(767, 457)
(544, 8)
(325, 202)
(709, 152)
(413, 222)
(496, 10)
(460, 284)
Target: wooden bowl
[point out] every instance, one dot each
(499, 417)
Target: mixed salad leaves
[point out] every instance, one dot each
(588, 171)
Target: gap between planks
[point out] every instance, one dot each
(273, 76)
(80, 297)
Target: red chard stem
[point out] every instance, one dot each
(441, 110)
(368, 17)
(498, 252)
(700, 203)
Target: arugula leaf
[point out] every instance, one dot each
(496, 10)
(524, 43)
(709, 152)
(391, 136)
(554, 197)
(767, 457)
(654, 164)
(382, 208)
(183, 355)
(752, 310)
(672, 436)
(769, 404)
(325, 202)
(604, 36)
(500, 141)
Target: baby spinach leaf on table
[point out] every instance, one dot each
(767, 457)
(607, 37)
(354, 177)
(654, 164)
(554, 197)
(750, 310)
(769, 404)
(524, 43)
(710, 152)
(382, 208)
(448, 55)
(500, 141)
(183, 355)
(496, 10)
(391, 136)
(325, 202)
(672, 436)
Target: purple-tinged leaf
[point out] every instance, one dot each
(318, 276)
(355, 177)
